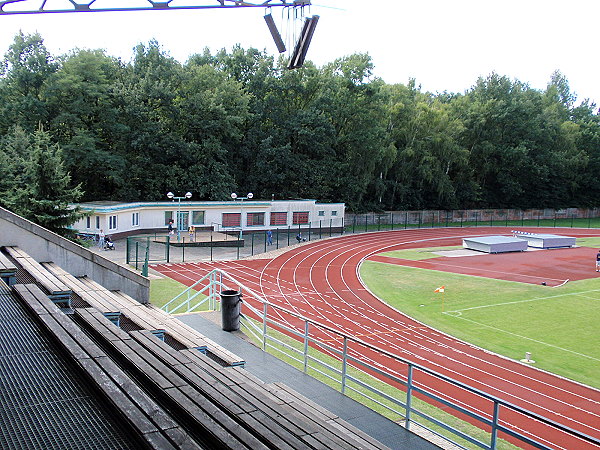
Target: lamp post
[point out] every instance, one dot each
(173, 197)
(235, 197)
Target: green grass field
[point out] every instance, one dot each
(558, 326)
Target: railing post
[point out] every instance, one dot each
(264, 342)
(344, 364)
(494, 433)
(409, 387)
(168, 250)
(306, 326)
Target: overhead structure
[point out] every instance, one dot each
(8, 7)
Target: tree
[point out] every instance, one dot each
(26, 67)
(45, 195)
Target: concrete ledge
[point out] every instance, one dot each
(45, 246)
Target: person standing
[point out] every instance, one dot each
(170, 227)
(269, 237)
(598, 261)
(192, 232)
(101, 239)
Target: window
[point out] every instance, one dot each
(231, 219)
(97, 222)
(112, 222)
(169, 217)
(334, 213)
(300, 218)
(88, 222)
(321, 213)
(197, 217)
(135, 219)
(278, 218)
(255, 219)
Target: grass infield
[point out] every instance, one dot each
(558, 326)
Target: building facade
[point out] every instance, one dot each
(123, 219)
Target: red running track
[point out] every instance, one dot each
(320, 281)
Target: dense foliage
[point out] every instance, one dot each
(238, 121)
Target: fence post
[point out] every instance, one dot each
(127, 259)
(252, 246)
(420, 219)
(168, 249)
(145, 266)
(378, 223)
(310, 230)
(476, 214)
(264, 342)
(330, 225)
(405, 219)
(211, 246)
(409, 388)
(392, 220)
(589, 218)
(343, 230)
(538, 219)
(320, 228)
(572, 216)
(494, 432)
(522, 217)
(432, 219)
(354, 224)
(344, 364)
(136, 254)
(183, 249)
(277, 238)
(288, 235)
(366, 221)
(306, 325)
(238, 246)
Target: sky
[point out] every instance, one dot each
(444, 45)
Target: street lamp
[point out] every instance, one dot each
(235, 197)
(173, 197)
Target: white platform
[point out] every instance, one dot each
(547, 240)
(495, 244)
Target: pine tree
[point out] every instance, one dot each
(45, 195)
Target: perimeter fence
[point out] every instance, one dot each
(230, 245)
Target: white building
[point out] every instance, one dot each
(122, 219)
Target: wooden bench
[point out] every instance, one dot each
(56, 290)
(155, 427)
(245, 395)
(91, 297)
(8, 270)
(208, 423)
(150, 317)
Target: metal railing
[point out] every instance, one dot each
(401, 387)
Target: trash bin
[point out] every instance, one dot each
(230, 310)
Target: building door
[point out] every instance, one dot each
(183, 220)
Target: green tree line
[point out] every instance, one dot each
(237, 120)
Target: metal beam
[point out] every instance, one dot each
(39, 6)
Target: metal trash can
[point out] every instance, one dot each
(231, 304)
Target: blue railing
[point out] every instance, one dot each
(352, 364)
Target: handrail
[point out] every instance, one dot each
(216, 277)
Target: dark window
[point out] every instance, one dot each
(255, 219)
(300, 218)
(278, 218)
(231, 219)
